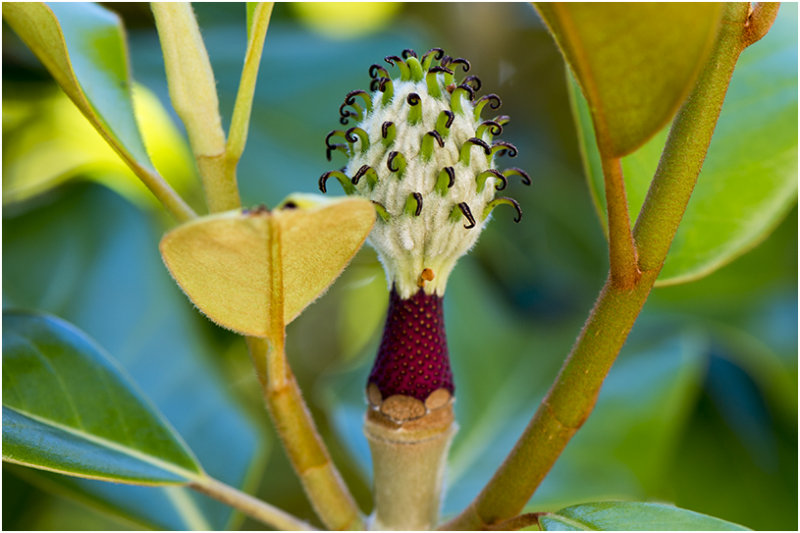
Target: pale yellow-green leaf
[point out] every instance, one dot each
(73, 43)
(221, 261)
(635, 62)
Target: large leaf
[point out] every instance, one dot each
(90, 257)
(47, 141)
(82, 46)
(635, 62)
(632, 516)
(222, 261)
(749, 179)
(68, 408)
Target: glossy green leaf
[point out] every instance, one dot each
(83, 47)
(632, 516)
(749, 179)
(90, 257)
(635, 62)
(222, 261)
(68, 408)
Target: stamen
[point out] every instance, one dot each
(415, 112)
(387, 88)
(432, 80)
(492, 99)
(382, 212)
(376, 69)
(416, 69)
(430, 55)
(350, 98)
(514, 171)
(343, 179)
(459, 93)
(503, 200)
(414, 204)
(355, 134)
(396, 163)
(462, 209)
(329, 148)
(443, 123)
(502, 119)
(367, 172)
(460, 61)
(427, 144)
(445, 180)
(491, 173)
(489, 126)
(388, 132)
(474, 82)
(502, 147)
(405, 74)
(357, 112)
(465, 149)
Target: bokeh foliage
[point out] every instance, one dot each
(700, 410)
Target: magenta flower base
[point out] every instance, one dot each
(413, 358)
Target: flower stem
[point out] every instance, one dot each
(574, 393)
(621, 250)
(252, 507)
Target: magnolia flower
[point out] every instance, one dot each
(421, 152)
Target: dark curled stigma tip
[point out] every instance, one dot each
(461, 61)
(526, 179)
(350, 99)
(413, 99)
(418, 198)
(503, 147)
(408, 53)
(496, 173)
(361, 171)
(373, 85)
(443, 70)
(375, 69)
(480, 142)
(468, 214)
(474, 81)
(450, 117)
(289, 205)
(494, 127)
(390, 161)
(492, 99)
(322, 180)
(382, 84)
(391, 59)
(385, 129)
(435, 135)
(451, 174)
(469, 89)
(438, 53)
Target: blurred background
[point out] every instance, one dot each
(700, 409)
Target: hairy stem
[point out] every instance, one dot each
(621, 250)
(311, 461)
(252, 507)
(574, 393)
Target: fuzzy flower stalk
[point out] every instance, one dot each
(424, 156)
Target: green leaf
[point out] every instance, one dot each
(68, 408)
(635, 62)
(82, 46)
(90, 257)
(749, 179)
(632, 516)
